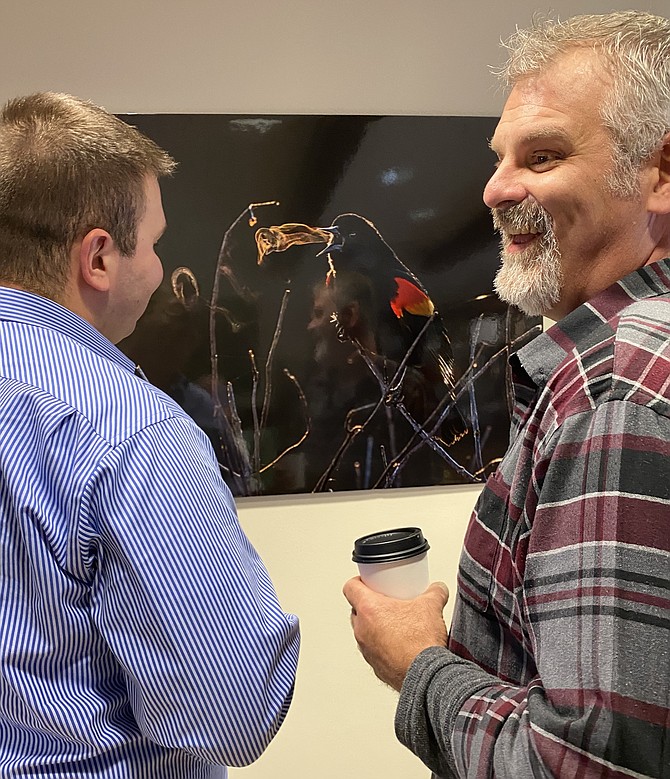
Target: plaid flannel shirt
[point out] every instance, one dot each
(559, 654)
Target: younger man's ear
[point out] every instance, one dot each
(659, 199)
(97, 253)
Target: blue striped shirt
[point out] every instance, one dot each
(140, 634)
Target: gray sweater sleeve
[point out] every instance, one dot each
(435, 688)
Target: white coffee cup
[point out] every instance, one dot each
(394, 562)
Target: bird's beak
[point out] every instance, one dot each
(335, 242)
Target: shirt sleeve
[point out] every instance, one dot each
(595, 610)
(185, 603)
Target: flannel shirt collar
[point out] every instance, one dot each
(587, 325)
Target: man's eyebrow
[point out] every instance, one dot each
(546, 133)
(550, 133)
(492, 145)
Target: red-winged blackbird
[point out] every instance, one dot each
(401, 306)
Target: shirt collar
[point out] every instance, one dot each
(27, 308)
(591, 323)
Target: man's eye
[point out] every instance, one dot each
(543, 158)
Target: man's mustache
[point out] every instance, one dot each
(525, 217)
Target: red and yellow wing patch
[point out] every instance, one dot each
(411, 299)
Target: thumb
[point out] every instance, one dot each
(439, 592)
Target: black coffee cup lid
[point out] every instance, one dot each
(390, 545)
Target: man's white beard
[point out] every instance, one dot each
(531, 279)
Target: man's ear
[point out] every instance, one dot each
(350, 315)
(97, 255)
(658, 201)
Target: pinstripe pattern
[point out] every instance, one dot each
(140, 634)
(564, 582)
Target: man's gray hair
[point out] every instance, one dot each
(635, 49)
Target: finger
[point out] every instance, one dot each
(353, 590)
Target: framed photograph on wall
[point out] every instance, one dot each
(327, 314)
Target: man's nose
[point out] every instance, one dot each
(505, 188)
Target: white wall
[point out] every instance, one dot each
(343, 56)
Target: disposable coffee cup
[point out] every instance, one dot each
(394, 562)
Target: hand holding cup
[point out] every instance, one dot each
(395, 612)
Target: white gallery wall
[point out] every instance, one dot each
(344, 56)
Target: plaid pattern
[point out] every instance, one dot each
(564, 582)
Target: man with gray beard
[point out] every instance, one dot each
(558, 658)
(529, 279)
